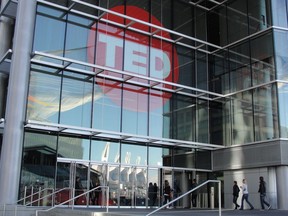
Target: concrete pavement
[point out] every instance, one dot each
(192, 212)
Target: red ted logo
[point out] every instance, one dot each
(133, 52)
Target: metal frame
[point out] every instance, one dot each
(5, 62)
(127, 77)
(10, 9)
(104, 134)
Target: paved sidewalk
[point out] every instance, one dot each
(192, 212)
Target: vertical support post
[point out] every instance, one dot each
(12, 145)
(107, 199)
(219, 197)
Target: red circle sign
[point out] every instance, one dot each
(133, 51)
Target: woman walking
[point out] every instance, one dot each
(245, 195)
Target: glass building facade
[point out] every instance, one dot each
(125, 93)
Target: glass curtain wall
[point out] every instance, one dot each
(65, 89)
(246, 72)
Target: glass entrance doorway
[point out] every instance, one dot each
(74, 178)
(129, 186)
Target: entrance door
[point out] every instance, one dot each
(72, 175)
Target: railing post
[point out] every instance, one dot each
(219, 197)
(107, 199)
(39, 195)
(25, 194)
(32, 191)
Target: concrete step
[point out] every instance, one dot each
(80, 212)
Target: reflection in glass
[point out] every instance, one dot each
(265, 112)
(283, 109)
(155, 156)
(43, 97)
(76, 92)
(106, 109)
(49, 33)
(237, 20)
(133, 154)
(281, 54)
(105, 151)
(72, 147)
(38, 165)
(242, 118)
(154, 192)
(279, 14)
(113, 182)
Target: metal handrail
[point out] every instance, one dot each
(31, 195)
(48, 195)
(73, 198)
(37, 200)
(185, 194)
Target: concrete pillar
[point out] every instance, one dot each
(282, 187)
(11, 155)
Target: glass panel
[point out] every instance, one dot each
(237, 20)
(72, 175)
(184, 158)
(179, 182)
(153, 187)
(113, 182)
(239, 64)
(72, 147)
(135, 112)
(283, 109)
(202, 71)
(259, 16)
(65, 178)
(242, 118)
(77, 49)
(203, 159)
(105, 151)
(202, 124)
(133, 154)
(181, 12)
(166, 186)
(161, 10)
(216, 25)
(186, 67)
(127, 186)
(219, 72)
(98, 175)
(43, 97)
(265, 112)
(76, 100)
(107, 107)
(97, 196)
(184, 118)
(155, 156)
(281, 47)
(38, 166)
(279, 12)
(262, 59)
(141, 186)
(49, 33)
(217, 122)
(158, 118)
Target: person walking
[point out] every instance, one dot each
(245, 195)
(167, 193)
(151, 194)
(194, 193)
(262, 191)
(155, 194)
(236, 191)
